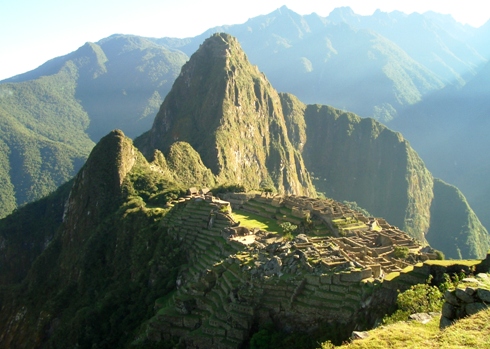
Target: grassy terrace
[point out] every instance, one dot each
(250, 220)
(448, 262)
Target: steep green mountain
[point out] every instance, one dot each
(450, 132)
(51, 116)
(450, 206)
(361, 160)
(230, 114)
(328, 63)
(102, 256)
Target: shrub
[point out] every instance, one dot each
(401, 252)
(229, 188)
(421, 298)
(288, 228)
(440, 255)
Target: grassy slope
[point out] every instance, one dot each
(471, 332)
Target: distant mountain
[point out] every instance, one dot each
(51, 116)
(121, 81)
(436, 41)
(328, 63)
(450, 131)
(42, 136)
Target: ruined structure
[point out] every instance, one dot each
(237, 277)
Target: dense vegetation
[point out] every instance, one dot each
(71, 263)
(42, 137)
(51, 117)
(469, 238)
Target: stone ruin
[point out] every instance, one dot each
(343, 238)
(237, 277)
(466, 300)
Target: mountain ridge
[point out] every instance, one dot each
(53, 115)
(352, 159)
(127, 258)
(232, 101)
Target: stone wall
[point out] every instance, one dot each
(464, 301)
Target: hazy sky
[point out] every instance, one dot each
(34, 31)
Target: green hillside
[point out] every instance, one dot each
(42, 135)
(450, 212)
(51, 117)
(125, 260)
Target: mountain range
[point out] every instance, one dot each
(51, 117)
(89, 263)
(329, 60)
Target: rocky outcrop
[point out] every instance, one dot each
(466, 301)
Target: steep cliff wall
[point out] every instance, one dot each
(361, 160)
(454, 227)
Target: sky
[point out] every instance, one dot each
(34, 31)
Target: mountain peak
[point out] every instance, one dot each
(98, 184)
(342, 14)
(230, 114)
(217, 45)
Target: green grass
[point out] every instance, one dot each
(471, 332)
(449, 262)
(392, 275)
(250, 220)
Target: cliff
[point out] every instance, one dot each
(230, 114)
(361, 160)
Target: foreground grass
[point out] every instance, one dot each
(471, 332)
